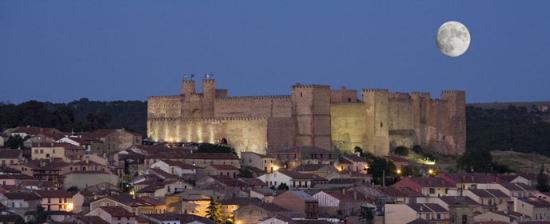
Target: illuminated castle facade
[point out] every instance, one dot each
(312, 115)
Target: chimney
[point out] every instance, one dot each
(355, 195)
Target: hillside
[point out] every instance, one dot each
(521, 162)
(80, 115)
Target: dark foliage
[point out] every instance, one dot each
(215, 148)
(401, 150)
(245, 172)
(81, 115)
(14, 142)
(381, 168)
(480, 161)
(515, 128)
(282, 187)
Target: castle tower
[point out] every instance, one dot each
(420, 107)
(311, 109)
(187, 85)
(455, 128)
(377, 111)
(208, 95)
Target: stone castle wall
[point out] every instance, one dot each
(386, 120)
(312, 115)
(245, 134)
(268, 106)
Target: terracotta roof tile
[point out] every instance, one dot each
(10, 153)
(117, 211)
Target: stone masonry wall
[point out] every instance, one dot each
(313, 115)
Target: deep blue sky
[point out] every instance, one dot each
(106, 50)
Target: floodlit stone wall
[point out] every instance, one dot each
(312, 115)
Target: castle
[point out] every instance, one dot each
(312, 115)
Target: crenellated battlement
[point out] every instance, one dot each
(399, 96)
(163, 97)
(299, 86)
(216, 119)
(375, 90)
(423, 94)
(254, 98)
(452, 92)
(311, 115)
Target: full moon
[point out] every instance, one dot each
(453, 39)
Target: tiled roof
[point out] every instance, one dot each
(430, 182)
(151, 188)
(253, 182)
(53, 194)
(117, 211)
(27, 196)
(128, 200)
(305, 196)
(347, 196)
(224, 167)
(15, 176)
(50, 132)
(54, 164)
(304, 150)
(309, 167)
(91, 220)
(10, 153)
(400, 192)
(179, 164)
(537, 202)
(427, 207)
(212, 156)
(301, 176)
(473, 177)
(239, 201)
(344, 181)
(489, 193)
(449, 200)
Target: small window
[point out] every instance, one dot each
(381, 124)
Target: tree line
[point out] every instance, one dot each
(80, 115)
(518, 129)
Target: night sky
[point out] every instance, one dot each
(121, 50)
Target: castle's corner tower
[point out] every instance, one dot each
(311, 109)
(188, 85)
(377, 111)
(455, 128)
(208, 95)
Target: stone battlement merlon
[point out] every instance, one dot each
(400, 96)
(163, 97)
(269, 97)
(453, 92)
(419, 93)
(375, 90)
(299, 85)
(210, 119)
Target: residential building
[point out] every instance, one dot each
(56, 200)
(266, 163)
(114, 215)
(406, 213)
(429, 186)
(10, 157)
(298, 201)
